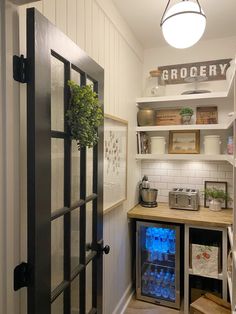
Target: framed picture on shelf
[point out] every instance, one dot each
(184, 142)
(219, 185)
(115, 161)
(207, 115)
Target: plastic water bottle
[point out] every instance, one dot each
(145, 283)
(165, 241)
(172, 288)
(156, 244)
(152, 284)
(158, 285)
(149, 243)
(164, 291)
(172, 241)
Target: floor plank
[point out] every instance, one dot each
(139, 307)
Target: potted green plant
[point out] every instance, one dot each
(216, 197)
(84, 115)
(186, 115)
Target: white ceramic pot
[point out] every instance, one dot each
(215, 205)
(158, 145)
(186, 118)
(212, 144)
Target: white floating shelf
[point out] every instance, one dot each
(182, 127)
(151, 101)
(230, 235)
(192, 157)
(219, 276)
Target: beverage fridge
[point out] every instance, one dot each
(158, 263)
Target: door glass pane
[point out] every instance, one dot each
(89, 224)
(75, 238)
(75, 173)
(89, 171)
(89, 287)
(75, 296)
(57, 94)
(75, 76)
(57, 174)
(90, 82)
(57, 305)
(57, 252)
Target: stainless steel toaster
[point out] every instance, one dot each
(184, 199)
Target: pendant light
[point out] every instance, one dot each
(183, 24)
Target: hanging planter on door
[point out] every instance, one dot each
(84, 115)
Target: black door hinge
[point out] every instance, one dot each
(21, 276)
(20, 69)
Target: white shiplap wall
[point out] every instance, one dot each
(9, 159)
(97, 27)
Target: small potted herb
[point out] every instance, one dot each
(84, 115)
(186, 114)
(216, 197)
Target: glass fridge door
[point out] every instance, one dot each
(158, 263)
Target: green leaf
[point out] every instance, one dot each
(84, 116)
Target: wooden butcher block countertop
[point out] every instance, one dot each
(202, 217)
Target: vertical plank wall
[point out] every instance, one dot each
(2, 162)
(9, 158)
(96, 27)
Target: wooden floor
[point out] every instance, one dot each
(139, 307)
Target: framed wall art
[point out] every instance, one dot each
(219, 185)
(115, 161)
(184, 142)
(207, 115)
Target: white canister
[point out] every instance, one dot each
(158, 145)
(212, 144)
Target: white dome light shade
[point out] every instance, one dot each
(185, 29)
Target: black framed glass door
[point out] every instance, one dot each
(65, 190)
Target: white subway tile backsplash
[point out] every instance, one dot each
(229, 175)
(181, 180)
(195, 180)
(174, 173)
(209, 166)
(167, 179)
(160, 185)
(225, 167)
(162, 199)
(188, 173)
(217, 174)
(154, 178)
(166, 175)
(163, 192)
(202, 173)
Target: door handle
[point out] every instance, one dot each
(106, 249)
(98, 247)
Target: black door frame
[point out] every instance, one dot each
(43, 40)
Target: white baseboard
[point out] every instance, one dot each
(124, 301)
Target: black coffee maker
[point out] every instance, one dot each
(147, 195)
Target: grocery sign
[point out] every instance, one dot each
(212, 70)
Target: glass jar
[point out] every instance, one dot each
(155, 84)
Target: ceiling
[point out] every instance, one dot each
(143, 17)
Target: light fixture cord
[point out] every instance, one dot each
(200, 10)
(165, 12)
